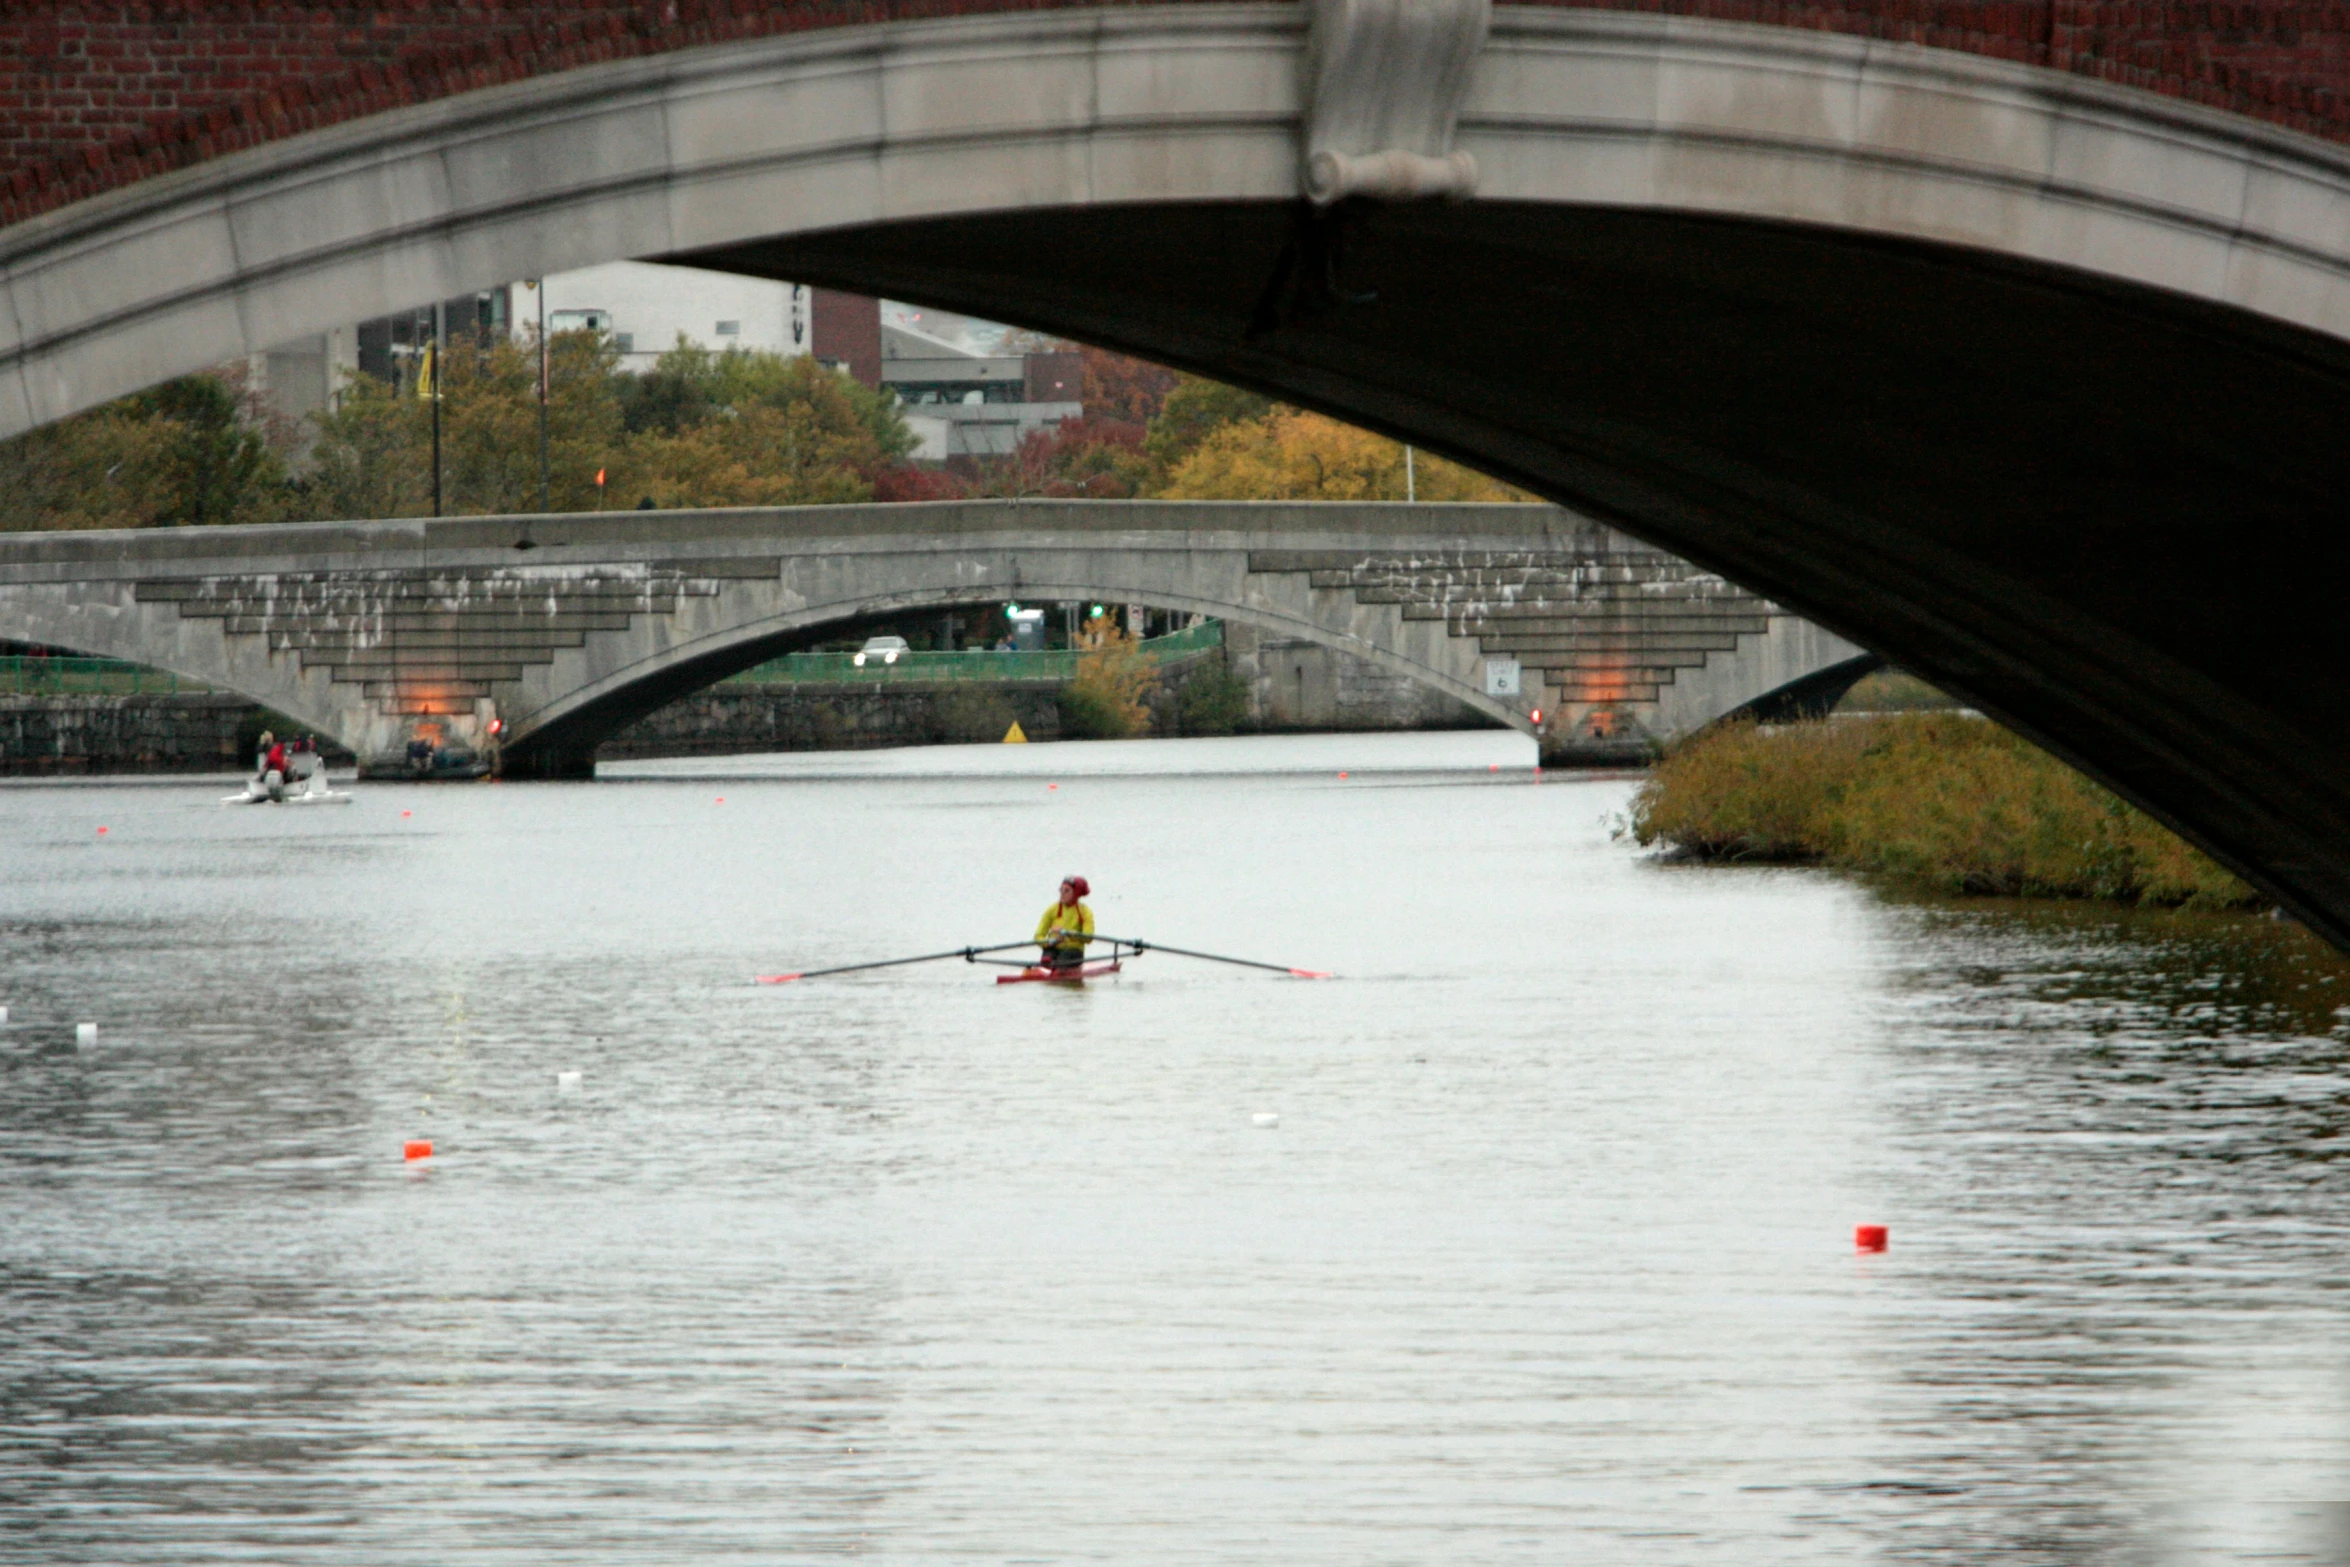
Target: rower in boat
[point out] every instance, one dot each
(1066, 927)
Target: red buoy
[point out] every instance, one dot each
(1870, 1237)
(416, 1148)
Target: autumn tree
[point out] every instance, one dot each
(188, 453)
(760, 429)
(373, 452)
(700, 429)
(1194, 410)
(1292, 455)
(1109, 698)
(1099, 459)
(1123, 388)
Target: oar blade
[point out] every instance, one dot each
(1309, 973)
(775, 979)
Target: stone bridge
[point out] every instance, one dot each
(540, 636)
(2009, 339)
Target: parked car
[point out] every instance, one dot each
(886, 649)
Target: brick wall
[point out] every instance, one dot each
(845, 329)
(96, 94)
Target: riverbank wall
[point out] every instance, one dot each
(734, 719)
(1292, 687)
(187, 732)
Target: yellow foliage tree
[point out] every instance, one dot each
(1292, 455)
(1109, 698)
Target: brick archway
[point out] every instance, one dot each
(101, 96)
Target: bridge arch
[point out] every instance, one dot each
(1959, 358)
(699, 153)
(561, 738)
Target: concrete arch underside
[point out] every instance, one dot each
(2030, 384)
(560, 737)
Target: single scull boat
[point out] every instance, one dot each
(1062, 976)
(1122, 949)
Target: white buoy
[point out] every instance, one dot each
(1266, 1118)
(567, 1082)
(3, 1014)
(85, 1033)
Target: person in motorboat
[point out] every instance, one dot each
(275, 767)
(1066, 927)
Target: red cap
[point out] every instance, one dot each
(1077, 885)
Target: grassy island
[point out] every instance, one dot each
(1946, 800)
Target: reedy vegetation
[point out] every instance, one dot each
(1948, 801)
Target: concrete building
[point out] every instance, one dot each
(962, 403)
(648, 307)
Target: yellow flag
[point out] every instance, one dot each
(424, 375)
(1013, 736)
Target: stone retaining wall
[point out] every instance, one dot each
(1293, 686)
(209, 732)
(730, 720)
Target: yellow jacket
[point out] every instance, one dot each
(1078, 921)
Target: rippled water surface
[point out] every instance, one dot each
(1548, 1258)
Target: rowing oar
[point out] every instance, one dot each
(968, 954)
(1215, 957)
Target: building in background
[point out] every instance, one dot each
(971, 388)
(848, 334)
(647, 308)
(961, 403)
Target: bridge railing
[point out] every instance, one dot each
(41, 674)
(976, 665)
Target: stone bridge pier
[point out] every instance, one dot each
(528, 640)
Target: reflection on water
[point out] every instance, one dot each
(1548, 1258)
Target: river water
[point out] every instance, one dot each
(1548, 1257)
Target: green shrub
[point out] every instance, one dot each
(969, 716)
(1941, 799)
(1088, 713)
(1212, 700)
(1894, 691)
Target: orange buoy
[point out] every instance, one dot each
(416, 1148)
(101, 832)
(407, 813)
(1870, 1237)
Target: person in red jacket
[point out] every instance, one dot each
(273, 760)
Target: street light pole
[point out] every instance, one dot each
(440, 356)
(539, 287)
